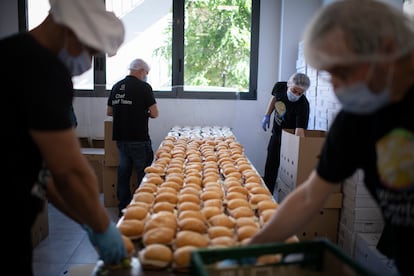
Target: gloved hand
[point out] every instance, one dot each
(266, 122)
(109, 244)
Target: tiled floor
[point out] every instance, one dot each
(66, 246)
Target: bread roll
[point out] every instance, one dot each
(145, 188)
(160, 235)
(131, 228)
(166, 190)
(182, 257)
(155, 256)
(129, 246)
(268, 259)
(206, 195)
(237, 202)
(221, 220)
(191, 214)
(238, 188)
(242, 211)
(163, 206)
(255, 199)
(144, 197)
(189, 206)
(154, 169)
(190, 190)
(177, 178)
(149, 187)
(174, 170)
(154, 178)
(210, 211)
(188, 198)
(247, 221)
(266, 204)
(185, 237)
(193, 179)
(167, 197)
(219, 231)
(161, 219)
(144, 205)
(171, 184)
(213, 203)
(135, 212)
(260, 190)
(265, 215)
(192, 224)
(233, 195)
(246, 231)
(223, 241)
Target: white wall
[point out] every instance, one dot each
(277, 59)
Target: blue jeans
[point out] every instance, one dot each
(139, 154)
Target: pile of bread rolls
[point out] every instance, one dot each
(201, 191)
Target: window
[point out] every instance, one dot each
(205, 49)
(408, 7)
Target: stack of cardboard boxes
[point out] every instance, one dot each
(40, 228)
(298, 157)
(110, 167)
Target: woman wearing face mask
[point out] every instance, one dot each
(291, 110)
(367, 47)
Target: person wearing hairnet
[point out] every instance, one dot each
(291, 110)
(367, 47)
(131, 103)
(36, 76)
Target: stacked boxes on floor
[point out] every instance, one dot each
(298, 157)
(40, 228)
(110, 168)
(360, 213)
(360, 226)
(367, 254)
(95, 157)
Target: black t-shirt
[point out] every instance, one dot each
(289, 114)
(36, 90)
(382, 145)
(130, 100)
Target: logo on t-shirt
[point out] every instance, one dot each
(395, 159)
(280, 111)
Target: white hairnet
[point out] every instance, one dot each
(91, 23)
(299, 79)
(138, 64)
(351, 31)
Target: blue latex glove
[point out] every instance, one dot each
(266, 122)
(109, 244)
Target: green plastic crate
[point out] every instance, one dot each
(314, 257)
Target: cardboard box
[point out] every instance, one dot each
(95, 157)
(110, 184)
(40, 229)
(299, 156)
(324, 224)
(333, 201)
(98, 143)
(111, 150)
(367, 255)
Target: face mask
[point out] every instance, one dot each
(76, 65)
(292, 97)
(359, 99)
(145, 78)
